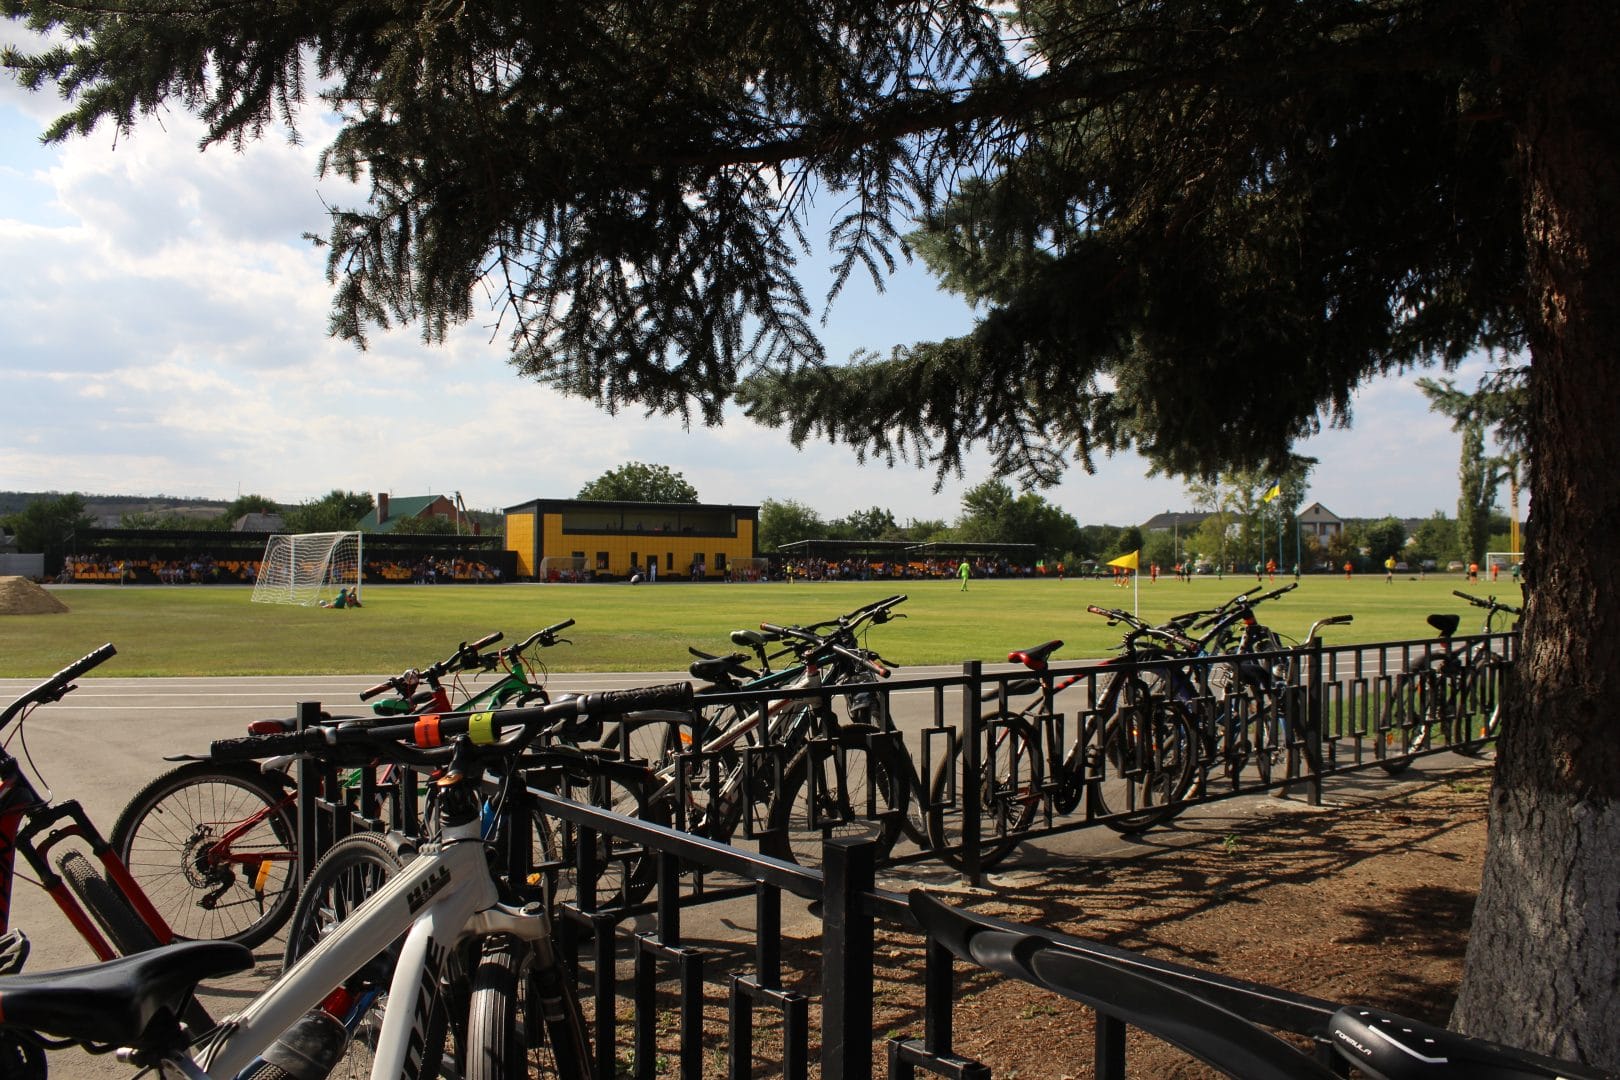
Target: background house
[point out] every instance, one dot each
(392, 509)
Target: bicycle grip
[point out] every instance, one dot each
(557, 629)
(668, 696)
(254, 747)
(484, 642)
(371, 692)
(85, 663)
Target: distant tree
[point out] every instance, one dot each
(992, 513)
(921, 530)
(1478, 475)
(1159, 548)
(1127, 540)
(784, 521)
(871, 524)
(1209, 540)
(1383, 538)
(1436, 538)
(336, 511)
(164, 519)
(638, 482)
(50, 526)
(248, 504)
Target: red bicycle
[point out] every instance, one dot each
(106, 906)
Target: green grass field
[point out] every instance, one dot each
(201, 631)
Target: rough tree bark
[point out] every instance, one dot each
(1543, 965)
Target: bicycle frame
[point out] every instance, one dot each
(439, 899)
(25, 815)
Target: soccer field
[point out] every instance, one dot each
(215, 630)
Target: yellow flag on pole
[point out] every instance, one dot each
(1127, 562)
(1276, 490)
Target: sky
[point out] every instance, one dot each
(163, 331)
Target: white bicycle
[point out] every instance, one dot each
(462, 960)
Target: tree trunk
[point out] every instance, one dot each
(1543, 964)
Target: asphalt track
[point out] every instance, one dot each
(110, 736)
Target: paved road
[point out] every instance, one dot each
(106, 739)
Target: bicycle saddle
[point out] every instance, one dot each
(753, 639)
(1034, 658)
(720, 669)
(130, 1001)
(1446, 624)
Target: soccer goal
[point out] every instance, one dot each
(307, 568)
(1502, 561)
(562, 568)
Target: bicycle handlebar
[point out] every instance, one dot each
(429, 732)
(465, 656)
(53, 688)
(820, 644)
(1490, 603)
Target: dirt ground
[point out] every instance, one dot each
(1365, 901)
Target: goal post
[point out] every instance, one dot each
(308, 568)
(1502, 560)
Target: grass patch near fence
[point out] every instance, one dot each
(216, 630)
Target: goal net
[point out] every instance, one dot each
(1501, 561)
(307, 568)
(562, 568)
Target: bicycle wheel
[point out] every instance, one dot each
(214, 847)
(1410, 710)
(1479, 703)
(843, 786)
(523, 1020)
(1143, 764)
(625, 873)
(350, 872)
(117, 919)
(1010, 776)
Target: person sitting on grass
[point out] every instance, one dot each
(343, 600)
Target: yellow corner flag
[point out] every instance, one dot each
(1276, 490)
(1127, 562)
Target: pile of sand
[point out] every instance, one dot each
(19, 596)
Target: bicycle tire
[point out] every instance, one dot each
(1406, 717)
(523, 1023)
(1144, 763)
(1009, 792)
(117, 919)
(825, 788)
(125, 929)
(625, 874)
(350, 871)
(1479, 694)
(166, 834)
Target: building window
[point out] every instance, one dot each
(601, 560)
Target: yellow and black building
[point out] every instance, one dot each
(569, 539)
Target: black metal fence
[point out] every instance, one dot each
(1327, 712)
(1307, 714)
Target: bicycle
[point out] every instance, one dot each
(1445, 690)
(447, 955)
(1128, 759)
(107, 908)
(215, 844)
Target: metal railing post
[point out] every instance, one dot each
(849, 874)
(968, 791)
(308, 715)
(1314, 719)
